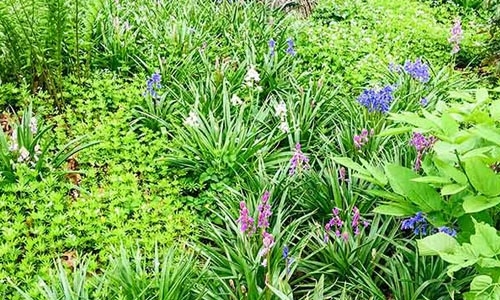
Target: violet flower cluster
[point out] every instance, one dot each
(456, 36)
(298, 161)
(418, 70)
(422, 145)
(247, 224)
(377, 100)
(336, 224)
(361, 139)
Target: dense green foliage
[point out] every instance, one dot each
(232, 150)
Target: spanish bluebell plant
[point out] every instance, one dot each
(377, 100)
(417, 223)
(422, 144)
(299, 161)
(364, 137)
(272, 47)
(456, 36)
(418, 70)
(290, 50)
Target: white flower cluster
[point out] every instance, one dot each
(280, 112)
(192, 120)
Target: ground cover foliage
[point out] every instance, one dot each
(242, 150)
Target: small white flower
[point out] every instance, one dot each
(264, 262)
(280, 109)
(259, 89)
(38, 151)
(252, 75)
(192, 120)
(14, 146)
(24, 155)
(33, 125)
(284, 127)
(236, 101)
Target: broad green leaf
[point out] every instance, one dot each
(489, 263)
(432, 179)
(437, 244)
(449, 125)
(482, 177)
(495, 110)
(349, 163)
(386, 195)
(450, 171)
(481, 96)
(481, 282)
(377, 173)
(488, 133)
(486, 240)
(478, 203)
(420, 194)
(394, 131)
(394, 209)
(452, 189)
(413, 119)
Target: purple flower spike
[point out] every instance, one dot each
(298, 161)
(422, 145)
(264, 211)
(246, 222)
(456, 36)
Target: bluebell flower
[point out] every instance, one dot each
(416, 223)
(153, 84)
(395, 68)
(449, 231)
(424, 101)
(377, 100)
(285, 252)
(272, 47)
(290, 50)
(418, 70)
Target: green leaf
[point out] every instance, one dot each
(413, 119)
(495, 110)
(450, 171)
(482, 178)
(479, 203)
(488, 133)
(452, 189)
(481, 282)
(349, 163)
(432, 179)
(386, 195)
(437, 244)
(486, 240)
(394, 131)
(421, 194)
(449, 125)
(377, 173)
(393, 209)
